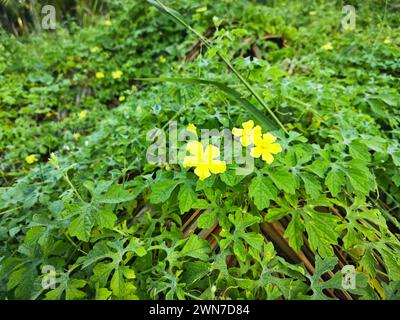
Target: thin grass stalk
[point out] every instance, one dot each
(209, 45)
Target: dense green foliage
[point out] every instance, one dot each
(115, 227)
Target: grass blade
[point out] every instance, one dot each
(264, 121)
(178, 18)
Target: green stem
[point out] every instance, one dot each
(226, 61)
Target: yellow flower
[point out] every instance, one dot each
(327, 46)
(162, 59)
(31, 159)
(192, 128)
(387, 41)
(204, 159)
(94, 49)
(248, 133)
(107, 22)
(99, 75)
(265, 147)
(201, 9)
(83, 114)
(313, 13)
(76, 136)
(117, 74)
(121, 99)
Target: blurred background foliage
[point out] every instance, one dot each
(19, 16)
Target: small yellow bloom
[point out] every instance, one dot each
(204, 159)
(201, 9)
(327, 46)
(162, 59)
(387, 41)
(94, 49)
(31, 159)
(121, 98)
(265, 147)
(192, 128)
(313, 13)
(83, 114)
(107, 23)
(76, 136)
(99, 75)
(248, 133)
(117, 74)
(49, 114)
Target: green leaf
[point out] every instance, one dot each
(262, 190)
(256, 240)
(322, 231)
(194, 271)
(82, 225)
(284, 180)
(207, 219)
(294, 232)
(71, 288)
(116, 194)
(359, 151)
(240, 250)
(231, 178)
(392, 263)
(335, 180)
(368, 262)
(103, 294)
(196, 248)
(161, 190)
(105, 218)
(117, 283)
(311, 184)
(323, 266)
(276, 213)
(360, 177)
(318, 167)
(186, 197)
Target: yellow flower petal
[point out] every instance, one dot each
(99, 75)
(217, 166)
(192, 128)
(83, 114)
(248, 125)
(202, 172)
(201, 9)
(267, 157)
(211, 152)
(190, 161)
(237, 132)
(256, 152)
(257, 131)
(116, 74)
(274, 148)
(94, 49)
(327, 46)
(31, 159)
(194, 147)
(268, 138)
(245, 141)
